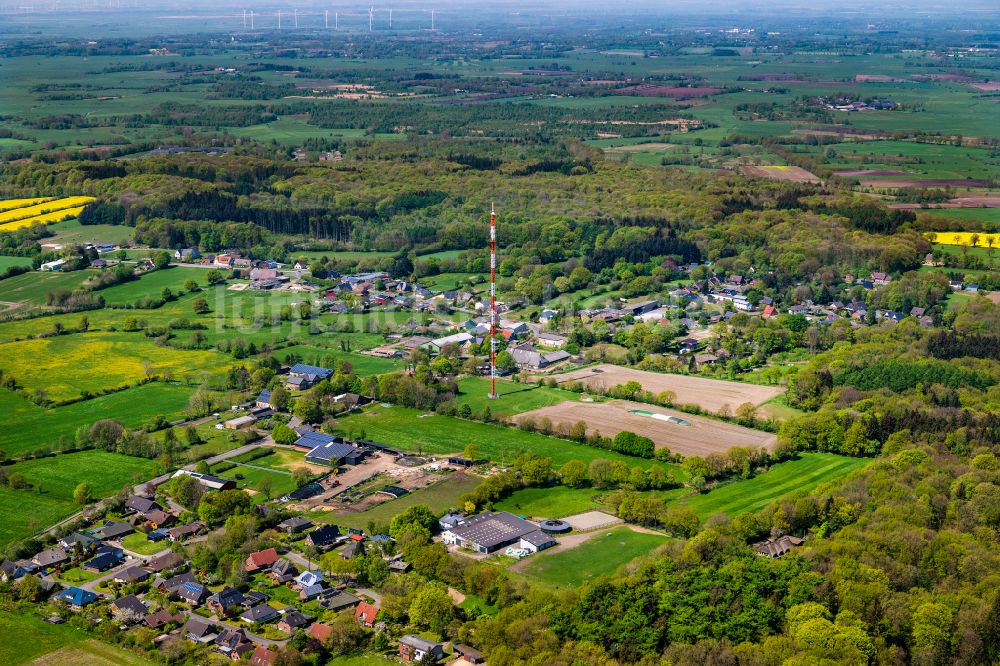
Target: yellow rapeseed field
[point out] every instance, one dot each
(43, 208)
(8, 204)
(964, 238)
(67, 365)
(57, 216)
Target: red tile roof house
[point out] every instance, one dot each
(320, 632)
(365, 614)
(262, 559)
(262, 656)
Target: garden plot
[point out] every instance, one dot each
(681, 433)
(709, 394)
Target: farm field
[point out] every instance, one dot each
(599, 555)
(7, 262)
(700, 437)
(709, 394)
(439, 498)
(987, 240)
(800, 475)
(10, 204)
(24, 426)
(151, 285)
(514, 398)
(985, 215)
(29, 640)
(31, 288)
(68, 366)
(27, 511)
(437, 434)
(42, 209)
(71, 231)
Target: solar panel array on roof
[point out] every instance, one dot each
(330, 451)
(314, 439)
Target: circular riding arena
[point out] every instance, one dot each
(412, 461)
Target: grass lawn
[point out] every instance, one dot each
(412, 430)
(778, 408)
(66, 366)
(253, 477)
(600, 555)
(362, 660)
(514, 398)
(554, 502)
(138, 543)
(799, 475)
(28, 638)
(25, 426)
(447, 281)
(477, 606)
(439, 497)
(76, 575)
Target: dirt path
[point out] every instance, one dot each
(456, 597)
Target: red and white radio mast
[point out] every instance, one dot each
(493, 302)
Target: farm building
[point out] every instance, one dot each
(309, 440)
(208, 481)
(240, 422)
(264, 400)
(435, 346)
(330, 454)
(489, 532)
(294, 524)
(301, 376)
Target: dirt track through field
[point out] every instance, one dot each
(699, 438)
(709, 394)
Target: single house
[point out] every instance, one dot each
(114, 530)
(777, 547)
(170, 586)
(262, 559)
(183, 532)
(225, 600)
(198, 630)
(337, 601)
(76, 597)
(308, 578)
(106, 559)
(262, 656)
(50, 558)
(320, 631)
(264, 399)
(283, 571)
(295, 525)
(161, 618)
(259, 614)
(323, 537)
(132, 575)
(416, 649)
(365, 614)
(140, 504)
(192, 593)
(129, 609)
(292, 620)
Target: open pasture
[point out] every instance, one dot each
(709, 394)
(71, 231)
(694, 436)
(30, 640)
(24, 426)
(514, 398)
(413, 430)
(68, 366)
(31, 288)
(54, 479)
